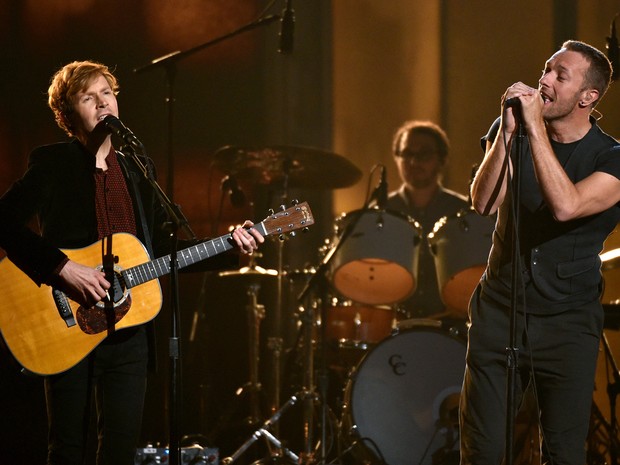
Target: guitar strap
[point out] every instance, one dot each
(132, 175)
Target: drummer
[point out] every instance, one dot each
(420, 150)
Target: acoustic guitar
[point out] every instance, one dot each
(49, 333)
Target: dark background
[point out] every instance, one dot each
(232, 93)
(359, 67)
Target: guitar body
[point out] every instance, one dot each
(32, 327)
(48, 333)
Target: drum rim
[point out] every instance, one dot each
(397, 332)
(408, 218)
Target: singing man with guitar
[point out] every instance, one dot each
(82, 192)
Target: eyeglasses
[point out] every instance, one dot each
(420, 156)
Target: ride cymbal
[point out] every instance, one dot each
(303, 167)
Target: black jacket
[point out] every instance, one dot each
(58, 189)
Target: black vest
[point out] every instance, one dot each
(560, 261)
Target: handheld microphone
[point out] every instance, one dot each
(512, 102)
(115, 126)
(515, 104)
(287, 29)
(237, 197)
(612, 51)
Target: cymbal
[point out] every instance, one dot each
(257, 271)
(610, 259)
(306, 166)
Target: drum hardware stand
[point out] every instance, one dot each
(319, 281)
(613, 388)
(256, 313)
(308, 318)
(263, 431)
(308, 397)
(275, 343)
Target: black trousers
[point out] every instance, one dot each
(560, 351)
(115, 372)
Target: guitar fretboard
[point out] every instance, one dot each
(161, 266)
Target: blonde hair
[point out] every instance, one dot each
(67, 82)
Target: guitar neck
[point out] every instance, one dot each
(140, 274)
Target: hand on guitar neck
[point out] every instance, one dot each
(247, 237)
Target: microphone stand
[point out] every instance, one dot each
(512, 352)
(168, 62)
(176, 221)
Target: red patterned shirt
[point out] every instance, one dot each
(113, 203)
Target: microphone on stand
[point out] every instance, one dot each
(612, 50)
(380, 194)
(230, 185)
(115, 126)
(287, 29)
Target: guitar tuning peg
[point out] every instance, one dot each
(282, 207)
(294, 202)
(270, 211)
(293, 233)
(305, 230)
(281, 237)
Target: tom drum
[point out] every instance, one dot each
(377, 262)
(460, 246)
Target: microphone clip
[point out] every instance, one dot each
(380, 193)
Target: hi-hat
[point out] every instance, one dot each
(305, 167)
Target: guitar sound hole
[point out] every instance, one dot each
(99, 318)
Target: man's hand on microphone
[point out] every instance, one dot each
(519, 91)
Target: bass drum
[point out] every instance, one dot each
(401, 402)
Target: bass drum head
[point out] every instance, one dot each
(401, 403)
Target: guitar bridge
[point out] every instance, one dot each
(63, 307)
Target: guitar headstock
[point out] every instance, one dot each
(299, 216)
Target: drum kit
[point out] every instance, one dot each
(397, 394)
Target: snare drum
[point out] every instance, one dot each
(352, 325)
(460, 246)
(377, 262)
(403, 398)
